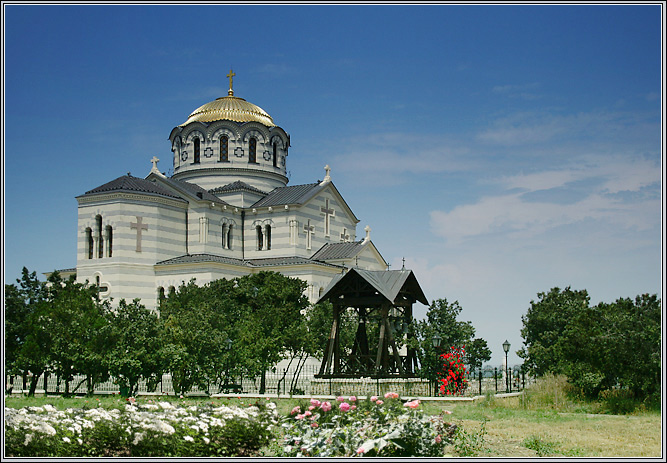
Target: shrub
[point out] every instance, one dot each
(381, 427)
(618, 401)
(469, 444)
(147, 430)
(452, 378)
(542, 446)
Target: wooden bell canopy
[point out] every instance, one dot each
(382, 300)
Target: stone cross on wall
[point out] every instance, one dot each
(345, 237)
(139, 226)
(309, 229)
(328, 213)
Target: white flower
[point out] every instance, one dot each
(166, 405)
(189, 438)
(137, 438)
(50, 408)
(206, 440)
(195, 427)
(28, 438)
(66, 439)
(46, 429)
(164, 427)
(78, 439)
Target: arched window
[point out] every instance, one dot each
(160, 294)
(89, 242)
(275, 155)
(252, 154)
(268, 237)
(224, 236)
(100, 238)
(172, 290)
(224, 149)
(260, 238)
(109, 241)
(197, 151)
(229, 237)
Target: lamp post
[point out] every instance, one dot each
(437, 339)
(506, 348)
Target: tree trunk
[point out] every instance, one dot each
(33, 384)
(262, 384)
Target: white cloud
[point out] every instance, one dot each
(514, 214)
(392, 155)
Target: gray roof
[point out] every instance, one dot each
(296, 194)
(132, 184)
(266, 262)
(332, 251)
(237, 186)
(194, 190)
(388, 283)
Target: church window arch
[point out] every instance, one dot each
(109, 239)
(224, 148)
(275, 154)
(89, 242)
(172, 291)
(229, 236)
(267, 233)
(252, 150)
(197, 150)
(260, 237)
(160, 294)
(98, 235)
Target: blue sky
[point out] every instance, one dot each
(502, 150)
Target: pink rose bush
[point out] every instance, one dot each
(367, 427)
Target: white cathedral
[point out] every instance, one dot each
(225, 212)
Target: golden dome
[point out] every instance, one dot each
(230, 108)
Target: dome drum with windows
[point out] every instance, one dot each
(227, 140)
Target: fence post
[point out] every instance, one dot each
(480, 382)
(509, 378)
(495, 376)
(523, 378)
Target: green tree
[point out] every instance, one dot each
(191, 337)
(441, 318)
(78, 327)
(274, 307)
(27, 336)
(544, 326)
(477, 352)
(615, 344)
(135, 341)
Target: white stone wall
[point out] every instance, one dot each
(128, 272)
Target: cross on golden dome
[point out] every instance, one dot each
(231, 74)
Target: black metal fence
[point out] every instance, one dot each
(286, 382)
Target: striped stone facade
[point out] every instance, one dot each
(223, 214)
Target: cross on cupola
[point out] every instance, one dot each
(328, 213)
(231, 74)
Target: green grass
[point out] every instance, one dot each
(545, 421)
